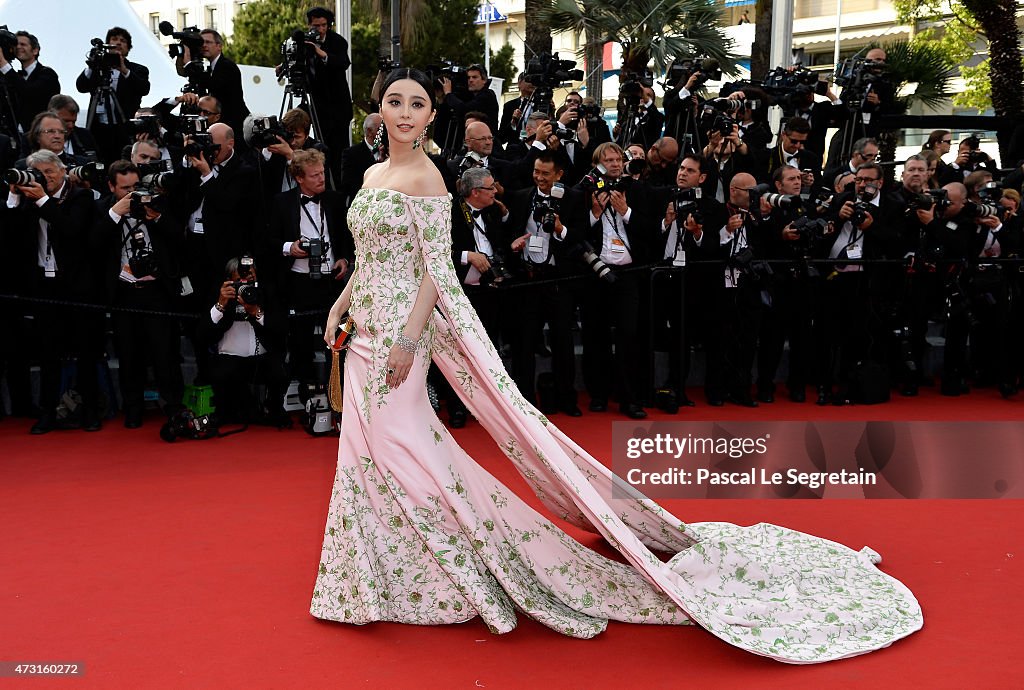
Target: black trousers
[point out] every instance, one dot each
(843, 338)
(732, 340)
(613, 358)
(554, 303)
(64, 332)
(14, 357)
(307, 295)
(231, 377)
(142, 340)
(790, 317)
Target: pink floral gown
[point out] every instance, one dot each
(417, 532)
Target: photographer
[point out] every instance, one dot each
(33, 85)
(541, 229)
(478, 97)
(791, 150)
(680, 102)
(273, 160)
(516, 111)
(621, 236)
(791, 236)
(309, 234)
(687, 213)
(47, 224)
(78, 141)
(223, 79)
(356, 159)
(216, 198)
(540, 137)
(138, 247)
(479, 146)
(246, 329)
(47, 133)
(864, 151)
(865, 229)
(728, 155)
(116, 87)
(663, 161)
(327, 64)
(969, 158)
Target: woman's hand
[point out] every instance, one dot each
(399, 364)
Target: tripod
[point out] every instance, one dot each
(298, 91)
(104, 94)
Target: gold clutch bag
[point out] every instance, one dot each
(342, 342)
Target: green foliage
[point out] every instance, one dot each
(647, 29)
(261, 26)
(955, 39)
(503, 67)
(924, 64)
(446, 31)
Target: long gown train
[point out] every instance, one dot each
(417, 532)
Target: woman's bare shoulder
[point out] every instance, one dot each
(422, 180)
(372, 172)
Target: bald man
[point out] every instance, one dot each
(662, 158)
(479, 147)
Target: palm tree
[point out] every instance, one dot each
(410, 12)
(906, 64)
(538, 33)
(646, 29)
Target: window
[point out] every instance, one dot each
(154, 23)
(183, 17)
(211, 17)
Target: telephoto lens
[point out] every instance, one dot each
(23, 178)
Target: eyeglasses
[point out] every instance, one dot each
(53, 131)
(208, 112)
(868, 156)
(491, 188)
(947, 141)
(865, 180)
(481, 138)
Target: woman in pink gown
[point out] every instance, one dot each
(417, 532)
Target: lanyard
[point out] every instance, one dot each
(473, 224)
(323, 219)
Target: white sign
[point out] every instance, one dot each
(488, 13)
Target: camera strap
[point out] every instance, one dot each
(323, 220)
(613, 216)
(474, 224)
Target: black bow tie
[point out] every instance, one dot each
(475, 213)
(794, 157)
(310, 199)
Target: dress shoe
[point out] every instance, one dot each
(743, 400)
(457, 419)
(823, 396)
(598, 405)
(92, 423)
(44, 425)
(798, 395)
(132, 418)
(766, 396)
(633, 411)
(685, 401)
(715, 402)
(571, 410)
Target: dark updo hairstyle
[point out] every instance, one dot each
(398, 74)
(417, 76)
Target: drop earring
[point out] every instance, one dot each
(419, 140)
(378, 141)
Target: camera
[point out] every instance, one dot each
(94, 173)
(23, 178)
(185, 424)
(317, 250)
(294, 52)
(855, 75)
(990, 192)
(810, 230)
(386, 64)
(684, 201)
(592, 113)
(783, 201)
(454, 73)
(635, 165)
(591, 258)
(248, 291)
(683, 68)
(544, 215)
(976, 157)
(596, 181)
(791, 89)
(470, 160)
(199, 140)
(974, 209)
(194, 124)
(142, 199)
(145, 124)
(261, 132)
(563, 133)
(546, 72)
(142, 261)
(713, 121)
(103, 56)
(8, 42)
(189, 37)
(498, 272)
(157, 175)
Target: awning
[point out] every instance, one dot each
(889, 33)
(739, 3)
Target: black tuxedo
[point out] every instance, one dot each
(129, 92)
(648, 129)
(355, 161)
(225, 82)
(501, 170)
(328, 86)
(807, 159)
(228, 219)
(83, 145)
(483, 101)
(508, 133)
(285, 215)
(142, 339)
(464, 240)
(272, 171)
(33, 93)
(113, 135)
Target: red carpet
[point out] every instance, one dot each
(191, 565)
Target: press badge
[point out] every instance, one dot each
(679, 260)
(618, 246)
(854, 251)
(537, 247)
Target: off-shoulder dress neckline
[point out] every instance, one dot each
(447, 195)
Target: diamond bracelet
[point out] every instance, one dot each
(407, 343)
